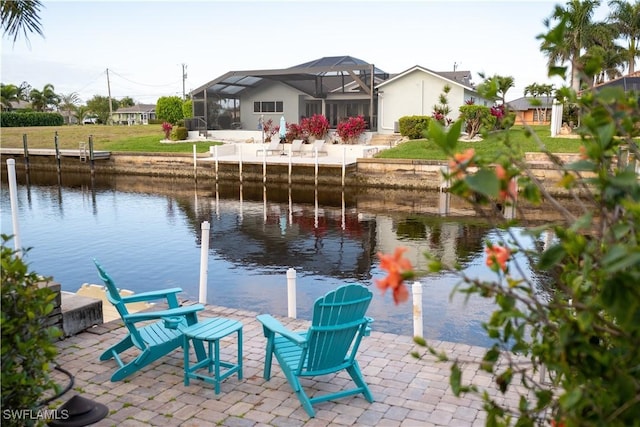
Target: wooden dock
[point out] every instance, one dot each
(80, 154)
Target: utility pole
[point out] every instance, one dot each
(110, 120)
(184, 77)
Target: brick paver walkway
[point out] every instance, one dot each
(407, 392)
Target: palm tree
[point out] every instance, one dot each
(625, 18)
(20, 16)
(8, 94)
(42, 100)
(80, 113)
(575, 23)
(496, 86)
(68, 103)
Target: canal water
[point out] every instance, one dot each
(146, 232)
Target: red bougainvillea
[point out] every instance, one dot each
(316, 125)
(351, 128)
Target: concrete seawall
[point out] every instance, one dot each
(366, 172)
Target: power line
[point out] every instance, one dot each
(143, 84)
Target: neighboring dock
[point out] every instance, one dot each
(79, 153)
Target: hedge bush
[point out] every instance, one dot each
(32, 118)
(179, 133)
(414, 127)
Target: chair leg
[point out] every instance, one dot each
(302, 396)
(118, 348)
(268, 359)
(356, 376)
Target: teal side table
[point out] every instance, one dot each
(212, 330)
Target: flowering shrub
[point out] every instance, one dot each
(351, 129)
(316, 125)
(269, 129)
(579, 319)
(294, 131)
(442, 110)
(166, 127)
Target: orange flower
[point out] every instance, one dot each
(583, 153)
(507, 185)
(398, 269)
(497, 256)
(460, 162)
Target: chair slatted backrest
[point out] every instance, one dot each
(296, 146)
(113, 295)
(318, 145)
(338, 325)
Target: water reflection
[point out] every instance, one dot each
(147, 233)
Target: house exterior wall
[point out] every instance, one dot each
(416, 94)
(270, 92)
(526, 118)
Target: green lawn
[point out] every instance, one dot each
(147, 139)
(492, 144)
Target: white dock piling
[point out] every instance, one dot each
(13, 196)
(291, 292)
(416, 290)
(204, 262)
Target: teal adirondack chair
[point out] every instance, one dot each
(154, 340)
(330, 345)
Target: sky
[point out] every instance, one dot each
(140, 48)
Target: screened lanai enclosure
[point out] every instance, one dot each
(336, 87)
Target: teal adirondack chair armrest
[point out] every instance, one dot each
(162, 314)
(367, 331)
(272, 324)
(168, 294)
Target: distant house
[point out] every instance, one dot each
(337, 87)
(417, 90)
(137, 115)
(527, 112)
(627, 83)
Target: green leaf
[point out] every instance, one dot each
(571, 398)
(551, 257)
(454, 134)
(484, 182)
(581, 165)
(455, 379)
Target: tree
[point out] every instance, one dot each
(8, 94)
(580, 319)
(80, 113)
(575, 23)
(169, 109)
(127, 101)
(537, 90)
(28, 348)
(99, 105)
(68, 103)
(625, 18)
(23, 91)
(496, 86)
(187, 108)
(45, 99)
(20, 16)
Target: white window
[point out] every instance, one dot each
(268, 107)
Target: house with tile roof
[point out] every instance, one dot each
(531, 110)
